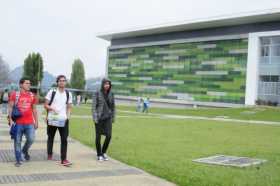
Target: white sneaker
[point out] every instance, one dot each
(100, 158)
(105, 157)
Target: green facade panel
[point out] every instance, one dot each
(212, 71)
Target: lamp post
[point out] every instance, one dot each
(39, 82)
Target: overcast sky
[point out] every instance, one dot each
(62, 30)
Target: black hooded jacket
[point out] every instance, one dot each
(103, 106)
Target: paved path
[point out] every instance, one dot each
(172, 116)
(84, 171)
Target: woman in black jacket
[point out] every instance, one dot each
(103, 112)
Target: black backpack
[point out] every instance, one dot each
(53, 94)
(52, 98)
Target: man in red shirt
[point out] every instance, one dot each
(27, 123)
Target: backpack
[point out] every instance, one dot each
(53, 95)
(16, 114)
(52, 98)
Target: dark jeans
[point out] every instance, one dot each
(63, 131)
(103, 128)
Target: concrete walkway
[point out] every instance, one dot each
(84, 171)
(172, 116)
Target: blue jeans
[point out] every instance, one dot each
(29, 132)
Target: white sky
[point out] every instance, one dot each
(62, 30)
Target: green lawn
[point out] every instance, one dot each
(166, 148)
(246, 113)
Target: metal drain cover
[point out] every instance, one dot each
(36, 141)
(11, 179)
(230, 161)
(36, 155)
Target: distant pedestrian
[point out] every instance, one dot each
(103, 112)
(139, 105)
(146, 105)
(4, 101)
(86, 98)
(79, 100)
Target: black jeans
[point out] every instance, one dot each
(103, 128)
(64, 132)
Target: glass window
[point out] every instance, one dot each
(265, 41)
(264, 78)
(275, 50)
(274, 78)
(275, 40)
(265, 51)
(269, 78)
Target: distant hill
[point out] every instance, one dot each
(16, 74)
(49, 79)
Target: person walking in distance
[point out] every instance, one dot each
(103, 112)
(4, 101)
(146, 105)
(58, 103)
(139, 104)
(25, 101)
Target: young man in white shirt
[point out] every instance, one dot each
(58, 104)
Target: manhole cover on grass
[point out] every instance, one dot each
(248, 112)
(230, 161)
(222, 117)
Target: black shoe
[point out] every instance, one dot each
(18, 164)
(26, 156)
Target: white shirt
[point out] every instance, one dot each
(59, 103)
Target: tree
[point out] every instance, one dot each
(78, 75)
(4, 71)
(33, 68)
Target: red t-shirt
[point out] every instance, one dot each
(25, 102)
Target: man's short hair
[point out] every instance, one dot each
(59, 77)
(23, 79)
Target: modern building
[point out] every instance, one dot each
(230, 59)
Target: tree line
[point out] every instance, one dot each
(34, 70)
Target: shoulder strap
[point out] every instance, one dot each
(105, 101)
(52, 97)
(17, 97)
(67, 96)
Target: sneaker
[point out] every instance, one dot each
(50, 157)
(105, 157)
(66, 163)
(18, 164)
(100, 158)
(26, 156)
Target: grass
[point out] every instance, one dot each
(246, 113)
(166, 147)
